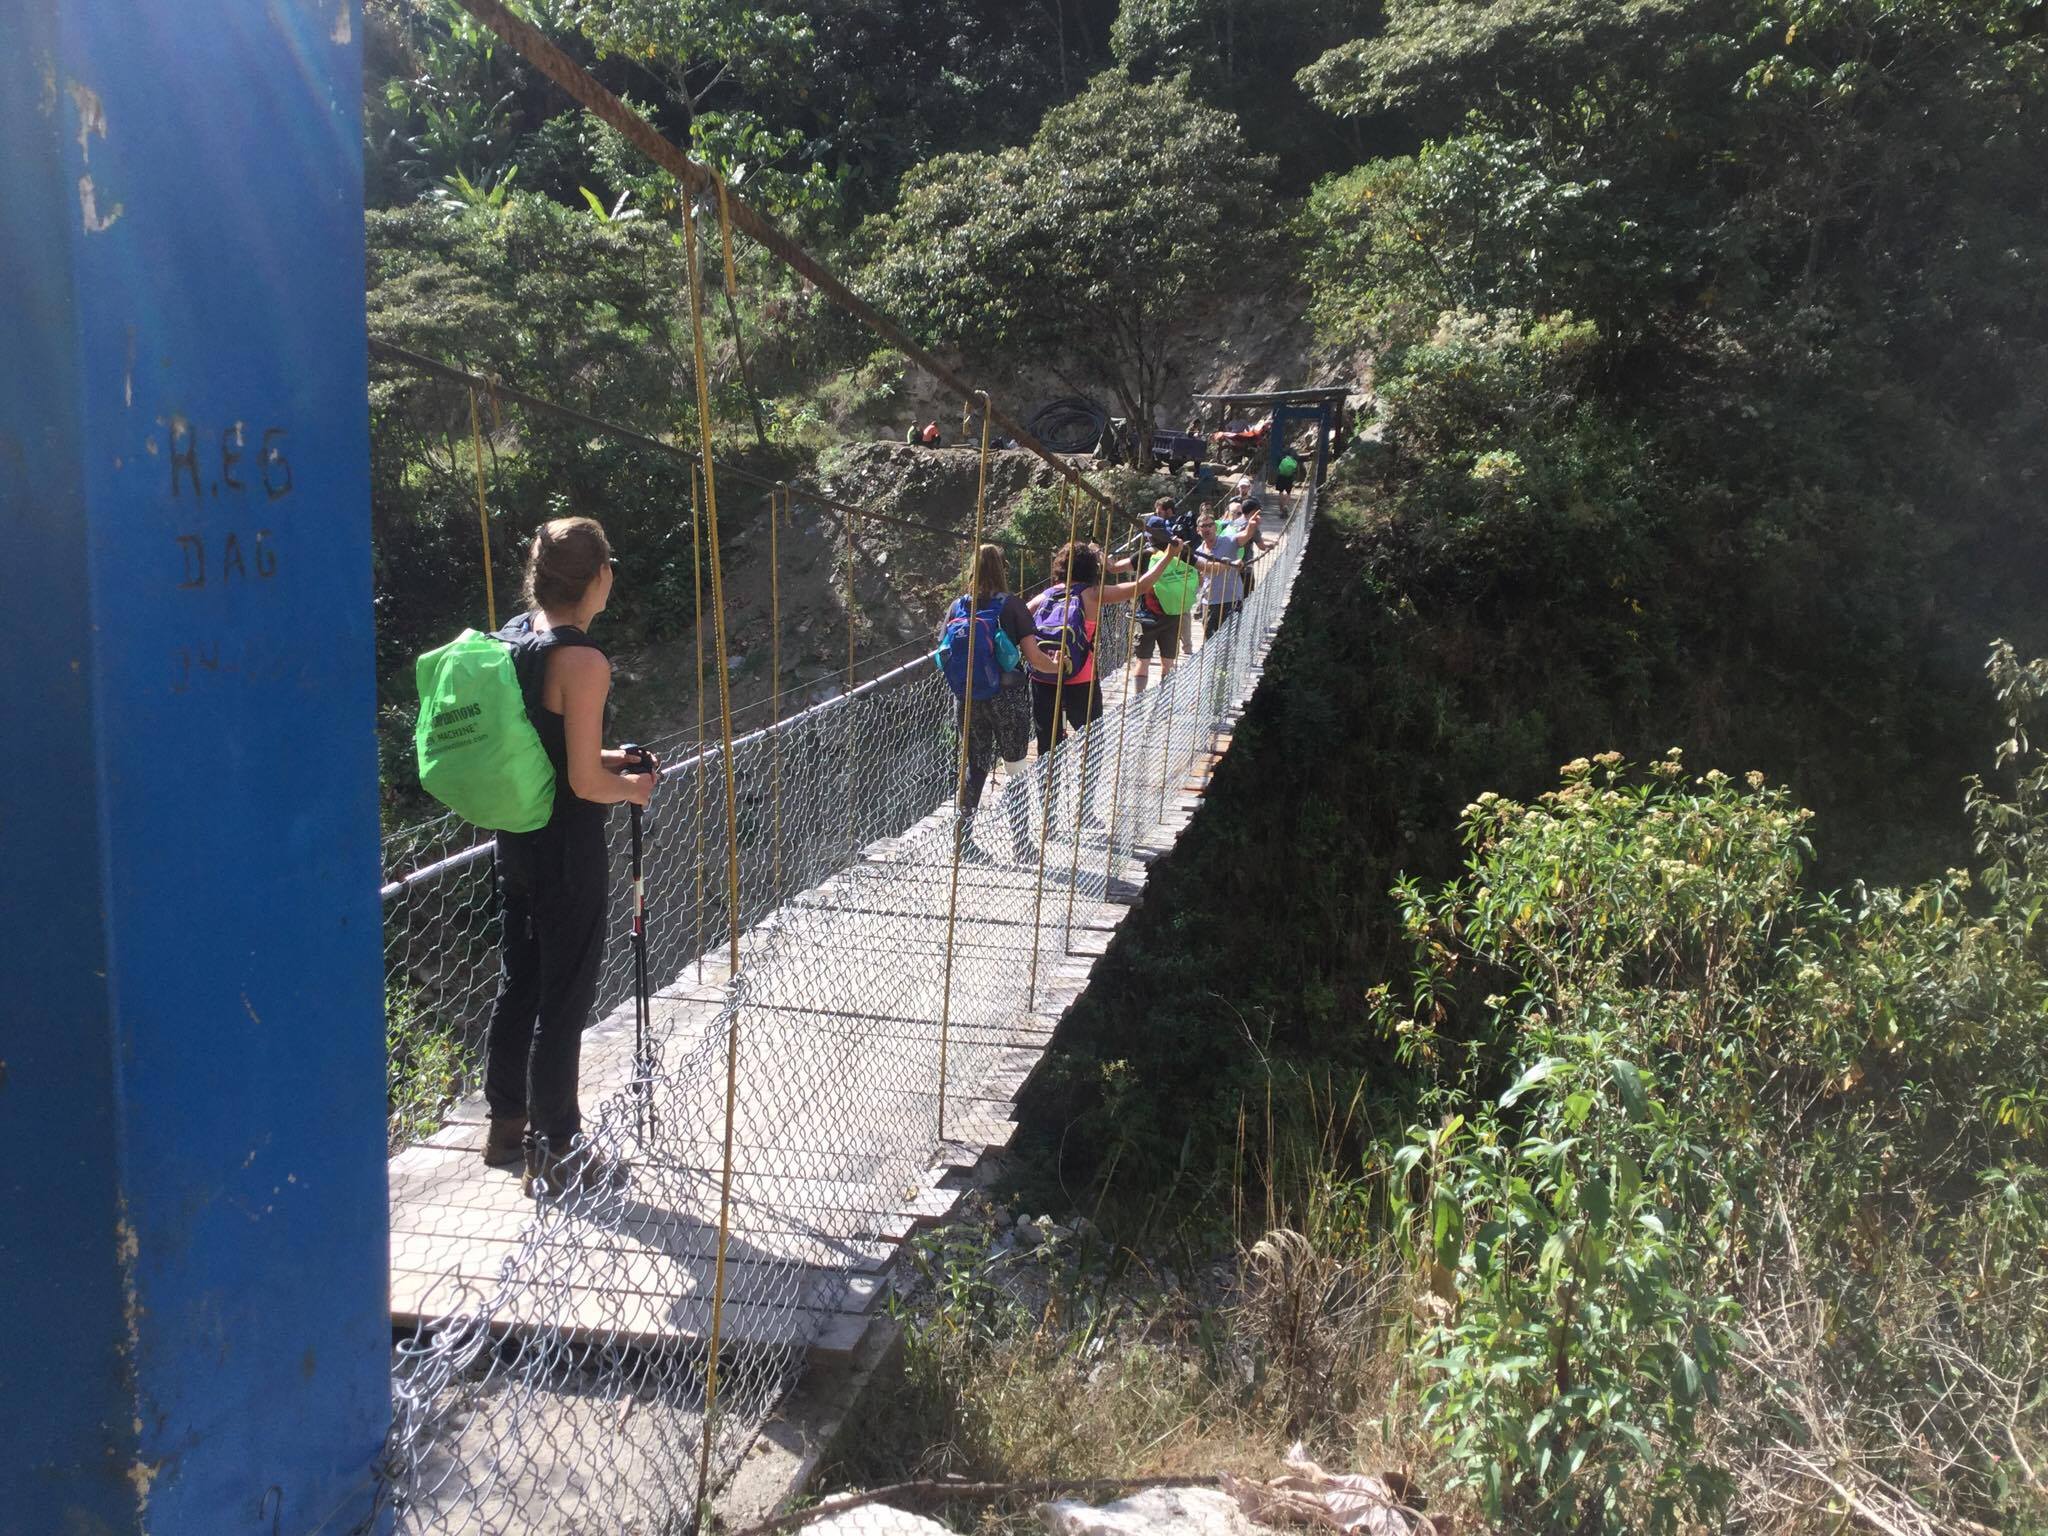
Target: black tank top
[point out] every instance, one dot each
(530, 648)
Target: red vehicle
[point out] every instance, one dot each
(1238, 444)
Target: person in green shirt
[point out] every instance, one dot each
(1162, 612)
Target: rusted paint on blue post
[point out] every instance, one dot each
(193, 1325)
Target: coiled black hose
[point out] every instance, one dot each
(1074, 424)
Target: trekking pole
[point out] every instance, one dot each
(639, 760)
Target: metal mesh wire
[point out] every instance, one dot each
(551, 1373)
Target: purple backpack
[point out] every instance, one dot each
(1063, 627)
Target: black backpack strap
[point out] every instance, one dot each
(530, 648)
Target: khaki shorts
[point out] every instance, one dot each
(1163, 637)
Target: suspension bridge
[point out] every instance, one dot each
(882, 1021)
(256, 1308)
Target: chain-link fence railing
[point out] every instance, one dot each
(784, 1129)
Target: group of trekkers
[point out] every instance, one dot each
(1029, 666)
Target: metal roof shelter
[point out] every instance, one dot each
(1322, 405)
(1321, 393)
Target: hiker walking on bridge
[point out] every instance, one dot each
(984, 646)
(1222, 575)
(1162, 612)
(1068, 614)
(555, 881)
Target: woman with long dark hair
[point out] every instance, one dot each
(1078, 569)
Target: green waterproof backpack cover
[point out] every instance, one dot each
(479, 754)
(1178, 586)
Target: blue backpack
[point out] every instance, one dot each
(1063, 627)
(987, 644)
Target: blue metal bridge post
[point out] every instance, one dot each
(1286, 420)
(194, 1334)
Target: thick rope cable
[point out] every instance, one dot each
(962, 812)
(732, 855)
(531, 42)
(483, 516)
(1073, 509)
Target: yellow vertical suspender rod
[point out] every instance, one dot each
(1087, 730)
(732, 845)
(1045, 770)
(1123, 721)
(780, 495)
(852, 843)
(963, 813)
(483, 517)
(697, 587)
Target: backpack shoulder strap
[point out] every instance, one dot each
(530, 648)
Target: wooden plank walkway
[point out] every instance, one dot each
(836, 1162)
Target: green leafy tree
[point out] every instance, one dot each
(1678, 1091)
(1081, 249)
(891, 83)
(1807, 398)
(1245, 56)
(716, 60)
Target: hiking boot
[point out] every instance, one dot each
(579, 1169)
(505, 1141)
